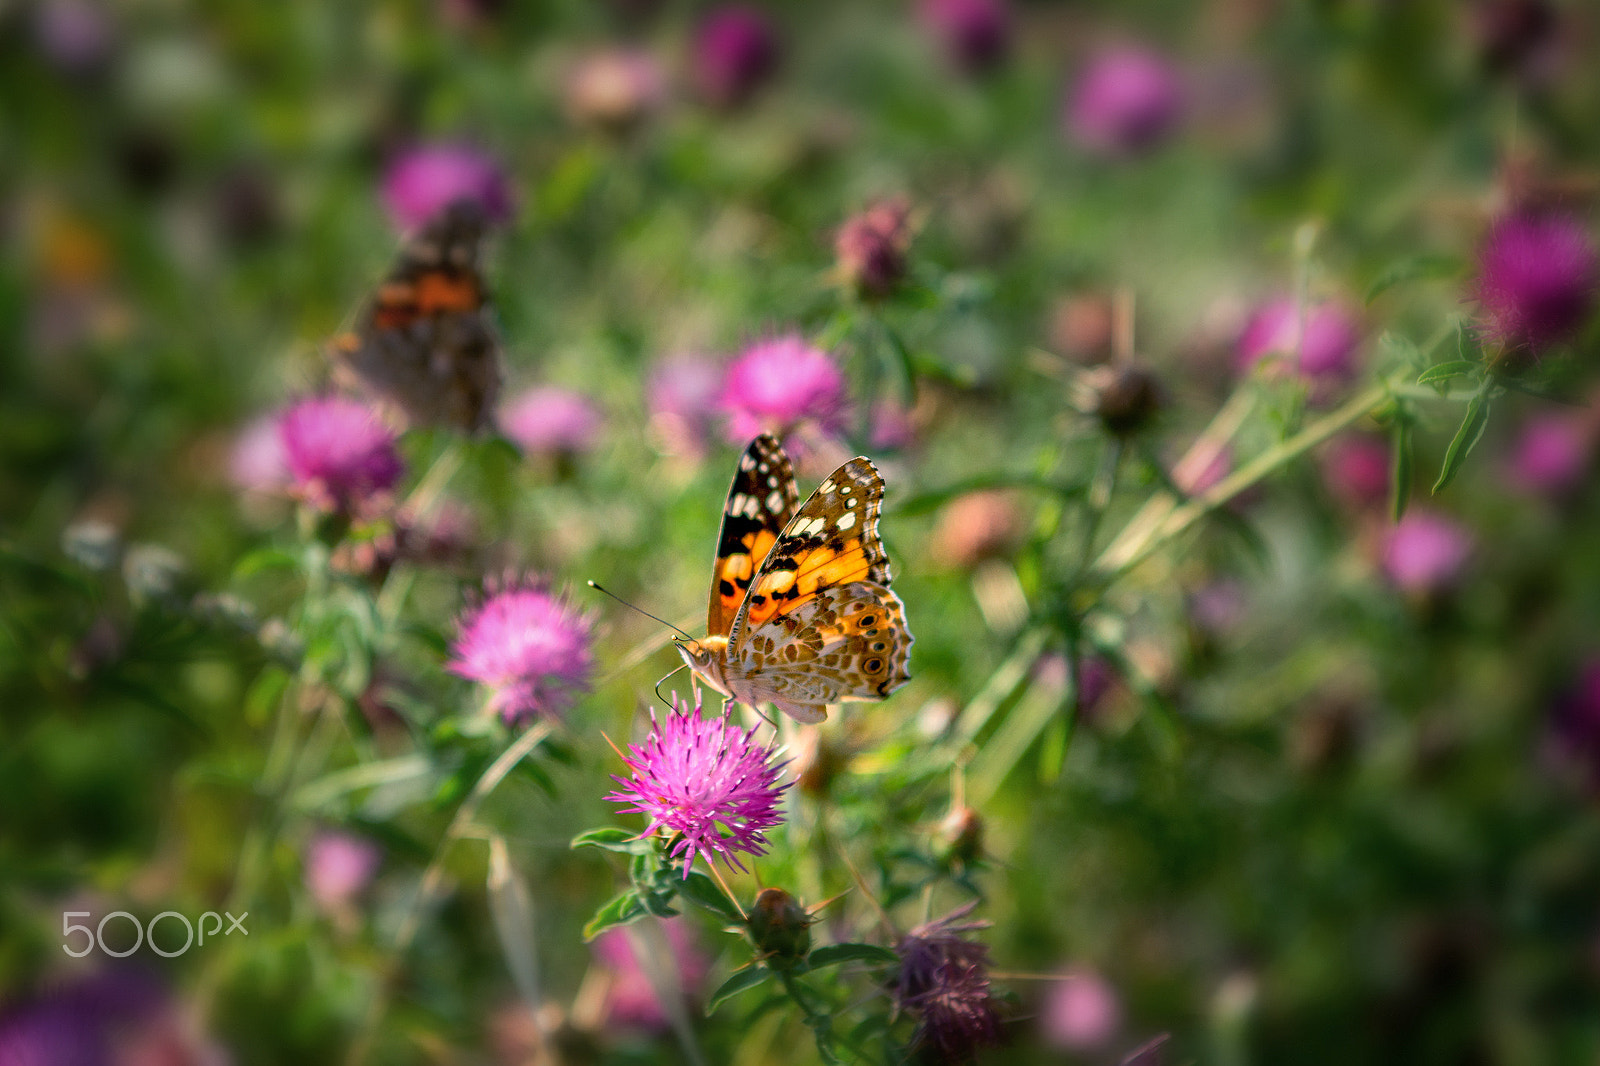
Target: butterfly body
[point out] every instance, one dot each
(801, 615)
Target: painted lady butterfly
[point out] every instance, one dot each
(425, 346)
(801, 613)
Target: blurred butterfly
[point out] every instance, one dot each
(801, 615)
(424, 346)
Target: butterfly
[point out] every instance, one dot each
(801, 615)
(424, 345)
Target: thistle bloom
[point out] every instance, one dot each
(529, 647)
(1536, 280)
(1356, 469)
(1126, 101)
(615, 88)
(1550, 455)
(735, 51)
(258, 462)
(1425, 551)
(707, 783)
(682, 395)
(338, 868)
(1325, 350)
(338, 452)
(871, 247)
(551, 421)
(424, 180)
(1081, 1012)
(779, 383)
(944, 980)
(975, 34)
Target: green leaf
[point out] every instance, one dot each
(701, 890)
(263, 559)
(1412, 268)
(619, 910)
(1466, 439)
(749, 977)
(834, 954)
(1445, 371)
(611, 838)
(658, 904)
(1400, 468)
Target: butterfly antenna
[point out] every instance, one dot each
(663, 681)
(641, 610)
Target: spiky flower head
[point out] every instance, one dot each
(735, 51)
(552, 421)
(1537, 275)
(779, 383)
(704, 782)
(944, 980)
(528, 646)
(338, 451)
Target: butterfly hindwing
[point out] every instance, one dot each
(424, 344)
(844, 642)
(832, 541)
(760, 502)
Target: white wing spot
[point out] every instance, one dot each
(846, 522)
(775, 502)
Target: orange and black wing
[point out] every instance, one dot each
(424, 344)
(760, 503)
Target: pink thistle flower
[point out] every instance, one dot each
(1536, 280)
(871, 247)
(426, 179)
(258, 462)
(528, 647)
(1550, 455)
(975, 34)
(631, 1000)
(1356, 469)
(1082, 1012)
(615, 88)
(777, 384)
(1125, 102)
(1332, 335)
(1425, 551)
(338, 868)
(706, 782)
(552, 421)
(735, 52)
(944, 980)
(339, 452)
(682, 394)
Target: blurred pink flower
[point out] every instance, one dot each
(615, 88)
(1575, 720)
(338, 868)
(735, 52)
(75, 35)
(1356, 469)
(1536, 280)
(1126, 101)
(424, 180)
(871, 247)
(551, 421)
(338, 451)
(779, 383)
(682, 395)
(1082, 1012)
(258, 462)
(631, 1000)
(892, 427)
(1332, 335)
(1425, 551)
(1550, 454)
(975, 34)
(531, 650)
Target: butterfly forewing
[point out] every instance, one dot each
(760, 502)
(424, 344)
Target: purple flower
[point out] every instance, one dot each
(944, 980)
(426, 179)
(1330, 341)
(338, 451)
(682, 394)
(975, 34)
(1536, 280)
(1356, 469)
(1125, 102)
(631, 1000)
(615, 88)
(1575, 720)
(338, 868)
(551, 421)
(1550, 455)
(530, 648)
(893, 426)
(871, 247)
(84, 1022)
(75, 35)
(706, 782)
(258, 462)
(779, 383)
(1425, 551)
(1082, 1012)
(735, 51)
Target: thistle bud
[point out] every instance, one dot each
(871, 247)
(960, 837)
(780, 927)
(1125, 397)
